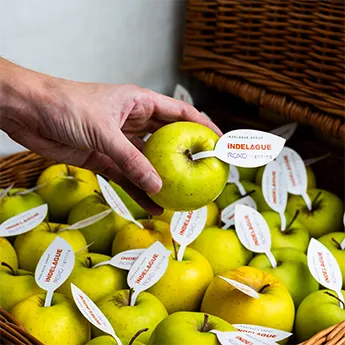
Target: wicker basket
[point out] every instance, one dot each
(282, 55)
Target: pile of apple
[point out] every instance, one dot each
(193, 302)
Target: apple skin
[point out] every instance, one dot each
(247, 174)
(231, 193)
(187, 184)
(109, 340)
(274, 308)
(326, 217)
(317, 312)
(16, 286)
(102, 233)
(296, 236)
(292, 271)
(184, 283)
(335, 249)
(183, 328)
(7, 254)
(148, 312)
(134, 237)
(95, 282)
(61, 323)
(31, 245)
(215, 244)
(62, 193)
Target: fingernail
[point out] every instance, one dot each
(151, 183)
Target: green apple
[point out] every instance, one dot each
(7, 253)
(317, 312)
(274, 308)
(134, 237)
(231, 194)
(101, 233)
(332, 241)
(16, 285)
(31, 245)
(295, 235)
(222, 249)
(63, 186)
(95, 282)
(109, 340)
(187, 328)
(187, 184)
(247, 174)
(134, 208)
(61, 323)
(326, 215)
(184, 282)
(292, 270)
(126, 320)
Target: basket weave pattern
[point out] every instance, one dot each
(284, 55)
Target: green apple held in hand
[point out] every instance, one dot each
(187, 184)
(16, 285)
(326, 215)
(65, 186)
(109, 340)
(295, 235)
(95, 282)
(231, 194)
(126, 320)
(318, 311)
(61, 323)
(292, 270)
(187, 328)
(222, 249)
(184, 282)
(134, 237)
(247, 174)
(274, 308)
(31, 245)
(101, 233)
(7, 253)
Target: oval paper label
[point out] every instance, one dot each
(54, 267)
(185, 227)
(239, 338)
(5, 191)
(24, 222)
(123, 260)
(234, 177)
(114, 201)
(242, 287)
(228, 214)
(146, 137)
(92, 313)
(182, 94)
(148, 269)
(264, 332)
(285, 131)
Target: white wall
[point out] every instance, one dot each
(114, 41)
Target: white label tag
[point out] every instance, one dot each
(295, 174)
(234, 177)
(246, 148)
(264, 332)
(311, 161)
(182, 94)
(228, 214)
(24, 222)
(239, 338)
(54, 267)
(88, 221)
(203, 113)
(146, 137)
(324, 267)
(274, 190)
(148, 269)
(92, 313)
(185, 227)
(123, 260)
(242, 287)
(253, 231)
(285, 131)
(5, 191)
(114, 201)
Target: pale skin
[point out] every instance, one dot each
(91, 125)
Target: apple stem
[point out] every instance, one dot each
(131, 290)
(136, 335)
(89, 262)
(314, 201)
(204, 326)
(68, 170)
(188, 154)
(336, 242)
(149, 217)
(101, 195)
(175, 249)
(292, 220)
(49, 227)
(337, 298)
(14, 273)
(264, 287)
(249, 193)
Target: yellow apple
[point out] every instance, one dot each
(7, 253)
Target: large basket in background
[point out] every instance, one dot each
(283, 55)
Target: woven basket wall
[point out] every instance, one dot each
(283, 55)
